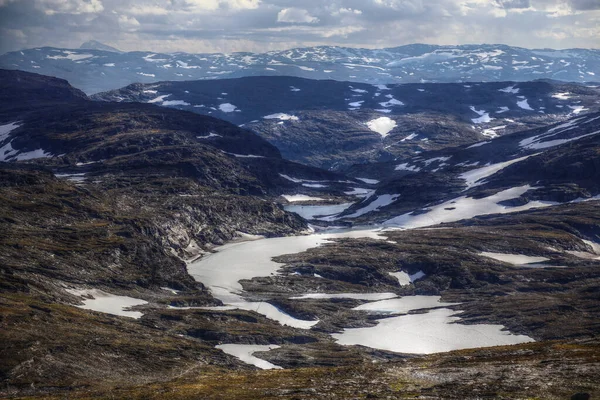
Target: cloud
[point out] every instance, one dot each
(263, 25)
(511, 4)
(346, 11)
(50, 7)
(296, 15)
(584, 4)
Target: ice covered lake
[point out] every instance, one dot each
(433, 329)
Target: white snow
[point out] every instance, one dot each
(484, 117)
(406, 167)
(524, 105)
(355, 296)
(391, 102)
(478, 145)
(356, 104)
(515, 259)
(360, 192)
(294, 89)
(578, 109)
(406, 279)
(159, 99)
(245, 353)
(244, 155)
(492, 132)
(562, 96)
(509, 89)
(436, 159)
(595, 246)
(323, 213)
(403, 305)
(247, 260)
(30, 155)
(382, 87)
(432, 332)
(410, 137)
(502, 110)
(382, 125)
(72, 177)
(282, 117)
(381, 201)
(300, 197)
(6, 129)
(369, 181)
(98, 300)
(210, 135)
(465, 208)
(227, 107)
(474, 177)
(109, 65)
(298, 180)
(314, 185)
(175, 103)
(535, 142)
(358, 90)
(145, 74)
(70, 56)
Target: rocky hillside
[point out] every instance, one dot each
(333, 125)
(104, 199)
(96, 67)
(540, 167)
(110, 212)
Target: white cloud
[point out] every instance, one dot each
(296, 15)
(51, 7)
(346, 11)
(128, 23)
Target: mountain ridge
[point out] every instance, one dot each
(404, 64)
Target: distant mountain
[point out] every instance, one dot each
(96, 45)
(542, 167)
(333, 125)
(99, 68)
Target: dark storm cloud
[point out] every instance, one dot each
(260, 25)
(508, 4)
(585, 4)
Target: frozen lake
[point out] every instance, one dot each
(222, 271)
(433, 329)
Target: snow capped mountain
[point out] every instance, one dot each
(97, 67)
(332, 125)
(96, 45)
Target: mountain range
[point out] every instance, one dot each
(353, 239)
(96, 67)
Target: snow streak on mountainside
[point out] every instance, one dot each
(333, 125)
(96, 67)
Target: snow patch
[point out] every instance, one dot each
(227, 107)
(515, 259)
(293, 198)
(381, 201)
(382, 125)
(245, 353)
(98, 300)
(282, 117)
(466, 207)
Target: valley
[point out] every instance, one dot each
(151, 250)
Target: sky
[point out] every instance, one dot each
(200, 26)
